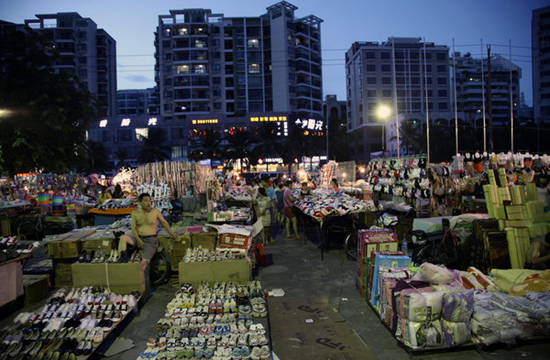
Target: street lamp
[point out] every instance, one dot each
(383, 112)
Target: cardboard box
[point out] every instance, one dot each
(65, 249)
(212, 271)
(516, 212)
(376, 240)
(98, 244)
(334, 341)
(206, 240)
(481, 225)
(234, 241)
(121, 278)
(36, 287)
(63, 272)
(287, 313)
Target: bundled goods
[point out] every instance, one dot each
(438, 275)
(365, 267)
(421, 325)
(384, 262)
(457, 309)
(473, 278)
(388, 278)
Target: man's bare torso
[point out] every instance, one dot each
(146, 222)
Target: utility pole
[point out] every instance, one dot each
(489, 99)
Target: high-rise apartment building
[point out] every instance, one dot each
(230, 69)
(540, 37)
(472, 88)
(406, 73)
(84, 52)
(136, 102)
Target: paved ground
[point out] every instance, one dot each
(299, 270)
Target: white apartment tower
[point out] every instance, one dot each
(85, 52)
(472, 87)
(404, 72)
(209, 65)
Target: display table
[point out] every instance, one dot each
(433, 224)
(107, 217)
(429, 225)
(11, 279)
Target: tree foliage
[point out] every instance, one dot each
(47, 113)
(154, 148)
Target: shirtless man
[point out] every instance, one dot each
(144, 232)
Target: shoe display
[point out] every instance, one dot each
(201, 323)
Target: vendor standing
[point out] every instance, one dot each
(144, 233)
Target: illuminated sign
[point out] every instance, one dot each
(273, 161)
(310, 124)
(204, 121)
(103, 123)
(152, 121)
(125, 122)
(267, 118)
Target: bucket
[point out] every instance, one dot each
(58, 206)
(43, 199)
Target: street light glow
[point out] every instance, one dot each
(383, 111)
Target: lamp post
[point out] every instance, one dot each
(383, 112)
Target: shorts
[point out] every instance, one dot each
(150, 246)
(289, 212)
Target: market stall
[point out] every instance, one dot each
(329, 210)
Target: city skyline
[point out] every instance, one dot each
(467, 23)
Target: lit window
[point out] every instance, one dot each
(103, 123)
(152, 121)
(125, 122)
(253, 43)
(183, 69)
(254, 68)
(200, 69)
(142, 133)
(182, 31)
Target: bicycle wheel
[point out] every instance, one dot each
(350, 244)
(160, 268)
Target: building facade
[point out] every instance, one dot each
(335, 114)
(540, 37)
(472, 89)
(136, 102)
(231, 69)
(404, 75)
(85, 51)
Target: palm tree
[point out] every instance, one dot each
(412, 138)
(208, 147)
(96, 156)
(268, 141)
(153, 147)
(121, 155)
(238, 148)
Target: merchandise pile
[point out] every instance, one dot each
(435, 307)
(213, 323)
(72, 323)
(326, 204)
(238, 194)
(201, 254)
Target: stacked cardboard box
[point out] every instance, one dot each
(518, 214)
(370, 241)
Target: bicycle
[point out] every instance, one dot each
(160, 266)
(350, 242)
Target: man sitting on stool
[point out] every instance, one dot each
(144, 234)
